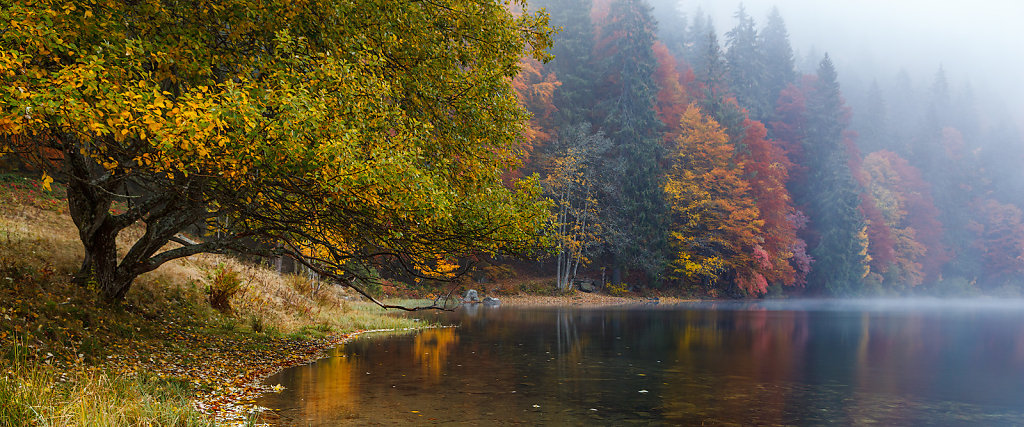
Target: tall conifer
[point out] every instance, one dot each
(573, 64)
(780, 68)
(840, 252)
(628, 99)
(746, 66)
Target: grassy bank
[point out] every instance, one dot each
(164, 356)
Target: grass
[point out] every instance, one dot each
(68, 358)
(39, 394)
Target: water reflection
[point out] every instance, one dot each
(431, 348)
(710, 364)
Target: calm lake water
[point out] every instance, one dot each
(925, 363)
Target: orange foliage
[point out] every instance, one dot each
(881, 242)
(715, 218)
(672, 99)
(905, 202)
(791, 110)
(767, 169)
(535, 88)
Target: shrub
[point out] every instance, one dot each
(224, 283)
(618, 290)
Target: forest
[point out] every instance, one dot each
(727, 165)
(620, 141)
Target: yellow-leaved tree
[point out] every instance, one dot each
(715, 220)
(368, 131)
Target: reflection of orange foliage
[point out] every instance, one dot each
(763, 348)
(432, 347)
(328, 377)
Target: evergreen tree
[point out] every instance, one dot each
(905, 113)
(697, 37)
(637, 230)
(709, 65)
(671, 26)
(809, 63)
(746, 66)
(873, 122)
(840, 252)
(965, 112)
(573, 64)
(780, 70)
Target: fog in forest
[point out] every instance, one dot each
(858, 148)
(980, 43)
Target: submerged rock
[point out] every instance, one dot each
(492, 302)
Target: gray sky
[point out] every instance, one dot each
(980, 40)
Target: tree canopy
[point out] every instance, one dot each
(341, 131)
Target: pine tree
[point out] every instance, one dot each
(697, 37)
(780, 70)
(637, 231)
(746, 66)
(671, 26)
(905, 113)
(809, 63)
(715, 99)
(573, 63)
(873, 128)
(841, 250)
(709, 64)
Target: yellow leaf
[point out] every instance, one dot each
(46, 181)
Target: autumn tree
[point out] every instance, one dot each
(905, 201)
(766, 168)
(672, 97)
(714, 218)
(573, 182)
(350, 132)
(535, 87)
(999, 237)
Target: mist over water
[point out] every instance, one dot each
(894, 305)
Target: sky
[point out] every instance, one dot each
(978, 40)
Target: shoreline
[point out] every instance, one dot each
(581, 299)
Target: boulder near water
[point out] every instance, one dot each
(585, 285)
(492, 302)
(471, 296)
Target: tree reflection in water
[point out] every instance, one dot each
(710, 364)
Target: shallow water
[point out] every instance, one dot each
(924, 363)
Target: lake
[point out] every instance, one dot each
(803, 363)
